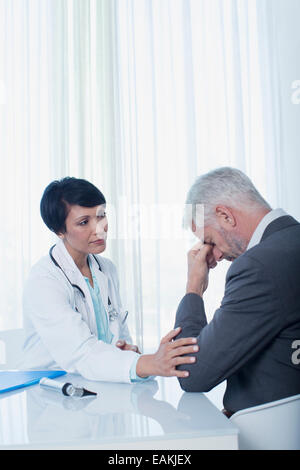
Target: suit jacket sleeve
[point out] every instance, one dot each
(246, 322)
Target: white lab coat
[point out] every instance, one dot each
(59, 336)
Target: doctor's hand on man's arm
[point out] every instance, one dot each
(169, 355)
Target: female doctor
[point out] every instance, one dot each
(73, 315)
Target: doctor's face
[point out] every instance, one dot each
(86, 229)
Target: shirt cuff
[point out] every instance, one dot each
(133, 375)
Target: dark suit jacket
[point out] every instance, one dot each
(249, 340)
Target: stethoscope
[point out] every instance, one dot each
(112, 312)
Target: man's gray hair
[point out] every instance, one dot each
(227, 186)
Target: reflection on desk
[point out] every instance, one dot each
(151, 415)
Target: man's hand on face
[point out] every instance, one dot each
(200, 261)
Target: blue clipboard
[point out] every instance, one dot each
(14, 379)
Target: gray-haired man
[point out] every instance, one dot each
(251, 337)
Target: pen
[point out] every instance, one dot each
(125, 318)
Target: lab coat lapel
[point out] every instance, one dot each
(67, 263)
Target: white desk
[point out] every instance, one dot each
(153, 415)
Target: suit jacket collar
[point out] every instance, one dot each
(279, 224)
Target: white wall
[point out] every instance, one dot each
(286, 24)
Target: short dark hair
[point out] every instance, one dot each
(60, 194)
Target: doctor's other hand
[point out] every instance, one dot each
(121, 344)
(200, 261)
(171, 353)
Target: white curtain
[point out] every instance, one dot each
(139, 97)
(196, 90)
(56, 119)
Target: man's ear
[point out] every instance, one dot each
(225, 217)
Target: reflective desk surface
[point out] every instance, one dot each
(153, 415)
